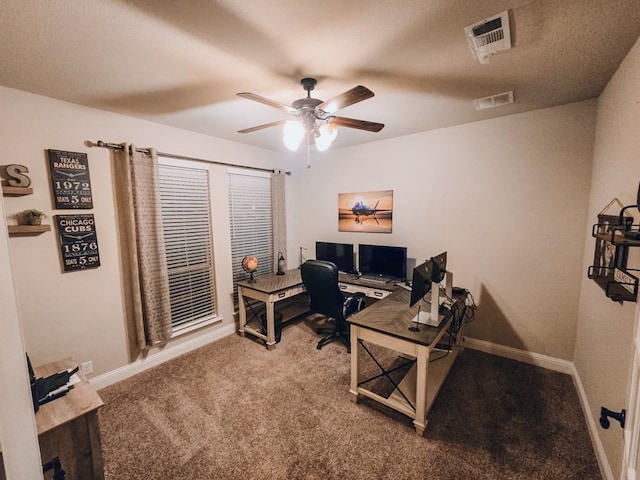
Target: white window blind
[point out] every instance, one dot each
(251, 222)
(186, 217)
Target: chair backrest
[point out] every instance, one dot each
(320, 279)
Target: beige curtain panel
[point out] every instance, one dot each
(146, 281)
(279, 214)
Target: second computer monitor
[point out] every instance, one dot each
(382, 261)
(421, 281)
(439, 267)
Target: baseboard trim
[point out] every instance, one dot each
(558, 365)
(592, 424)
(537, 359)
(168, 353)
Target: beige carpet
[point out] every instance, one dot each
(233, 410)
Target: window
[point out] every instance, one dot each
(251, 221)
(186, 220)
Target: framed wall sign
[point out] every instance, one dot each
(78, 241)
(70, 179)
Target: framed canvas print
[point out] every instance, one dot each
(370, 212)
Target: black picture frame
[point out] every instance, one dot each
(70, 179)
(78, 241)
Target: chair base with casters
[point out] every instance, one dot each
(320, 279)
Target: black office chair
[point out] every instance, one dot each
(320, 279)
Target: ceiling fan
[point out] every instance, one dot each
(315, 117)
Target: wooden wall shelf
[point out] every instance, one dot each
(22, 230)
(16, 191)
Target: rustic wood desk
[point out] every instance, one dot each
(273, 288)
(269, 289)
(386, 323)
(68, 427)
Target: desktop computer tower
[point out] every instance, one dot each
(411, 264)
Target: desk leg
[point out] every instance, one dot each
(96, 445)
(420, 422)
(242, 312)
(271, 329)
(354, 363)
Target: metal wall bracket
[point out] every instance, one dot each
(605, 414)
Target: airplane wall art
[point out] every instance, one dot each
(370, 212)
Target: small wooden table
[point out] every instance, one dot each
(386, 323)
(68, 427)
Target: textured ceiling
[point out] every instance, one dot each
(181, 63)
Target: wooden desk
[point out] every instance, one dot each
(68, 427)
(386, 323)
(269, 289)
(273, 288)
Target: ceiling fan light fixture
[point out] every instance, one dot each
(293, 133)
(327, 133)
(312, 116)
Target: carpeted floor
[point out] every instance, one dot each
(233, 410)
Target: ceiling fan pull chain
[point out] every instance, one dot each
(308, 151)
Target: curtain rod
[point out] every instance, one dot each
(115, 146)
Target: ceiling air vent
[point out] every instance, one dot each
(496, 100)
(489, 36)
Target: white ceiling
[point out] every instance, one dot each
(180, 63)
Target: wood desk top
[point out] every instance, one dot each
(392, 316)
(272, 283)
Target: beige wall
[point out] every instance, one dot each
(80, 314)
(604, 337)
(506, 198)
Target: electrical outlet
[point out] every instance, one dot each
(87, 367)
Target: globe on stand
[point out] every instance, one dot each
(250, 265)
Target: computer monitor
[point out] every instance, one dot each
(421, 281)
(339, 253)
(439, 267)
(383, 261)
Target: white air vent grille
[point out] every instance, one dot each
(493, 101)
(489, 36)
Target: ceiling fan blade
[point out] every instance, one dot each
(355, 95)
(267, 101)
(359, 124)
(264, 125)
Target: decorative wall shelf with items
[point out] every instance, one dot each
(614, 235)
(18, 184)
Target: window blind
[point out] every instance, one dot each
(186, 217)
(251, 222)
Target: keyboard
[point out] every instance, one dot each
(376, 279)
